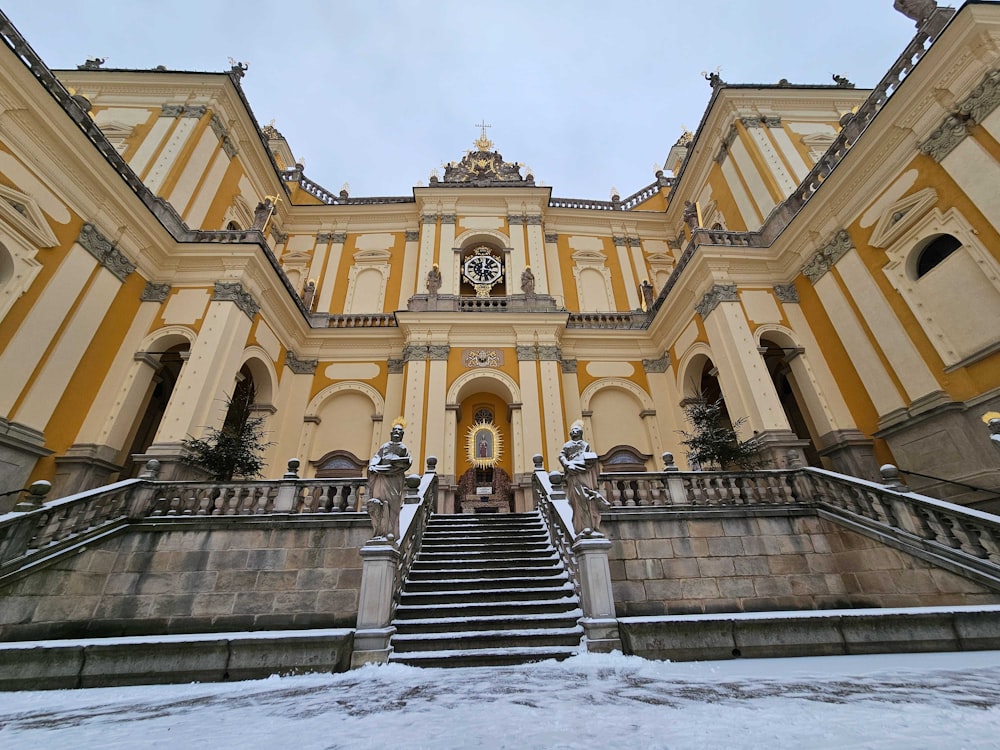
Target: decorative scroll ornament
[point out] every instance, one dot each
(715, 295)
(983, 99)
(300, 366)
(484, 166)
(944, 140)
(826, 258)
(233, 291)
(105, 252)
(483, 445)
(155, 292)
(786, 292)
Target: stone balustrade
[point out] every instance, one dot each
(550, 499)
(606, 320)
(717, 488)
(373, 320)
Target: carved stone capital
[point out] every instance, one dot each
(526, 353)
(300, 366)
(412, 235)
(515, 219)
(413, 352)
(619, 240)
(552, 237)
(438, 352)
(448, 218)
(569, 366)
(233, 291)
(196, 111)
(171, 110)
(155, 292)
(826, 258)
(786, 293)
(428, 218)
(750, 122)
(549, 353)
(660, 364)
(107, 254)
(943, 141)
(717, 294)
(633, 242)
(771, 122)
(395, 366)
(984, 98)
(533, 219)
(730, 136)
(222, 134)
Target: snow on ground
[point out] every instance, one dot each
(591, 700)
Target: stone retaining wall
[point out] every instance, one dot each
(192, 575)
(751, 560)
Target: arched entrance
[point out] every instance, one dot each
(483, 456)
(779, 352)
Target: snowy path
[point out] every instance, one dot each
(899, 701)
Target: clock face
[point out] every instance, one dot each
(482, 269)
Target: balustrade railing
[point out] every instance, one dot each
(607, 320)
(60, 521)
(696, 488)
(250, 498)
(547, 500)
(373, 320)
(423, 492)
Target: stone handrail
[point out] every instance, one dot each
(952, 535)
(551, 502)
(256, 497)
(423, 495)
(697, 488)
(60, 522)
(372, 320)
(955, 533)
(606, 320)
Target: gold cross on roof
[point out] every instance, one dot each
(483, 143)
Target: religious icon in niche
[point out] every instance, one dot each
(483, 445)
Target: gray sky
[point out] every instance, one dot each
(591, 94)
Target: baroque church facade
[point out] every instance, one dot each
(825, 258)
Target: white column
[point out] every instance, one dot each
(291, 401)
(528, 380)
(409, 281)
(207, 378)
(536, 256)
(628, 275)
(549, 367)
(553, 267)
(447, 264)
(416, 384)
(518, 254)
(428, 240)
(329, 280)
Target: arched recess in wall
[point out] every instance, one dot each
(593, 281)
(367, 280)
(621, 414)
(793, 384)
(698, 377)
(489, 242)
(264, 375)
(145, 395)
(341, 417)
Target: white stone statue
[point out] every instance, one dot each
(579, 463)
(386, 478)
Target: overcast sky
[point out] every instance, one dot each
(377, 93)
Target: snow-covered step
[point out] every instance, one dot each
(484, 657)
(500, 638)
(486, 590)
(506, 623)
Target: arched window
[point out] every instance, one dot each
(934, 253)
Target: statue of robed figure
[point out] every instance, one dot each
(386, 478)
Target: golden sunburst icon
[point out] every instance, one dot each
(483, 445)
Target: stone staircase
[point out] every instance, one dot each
(486, 590)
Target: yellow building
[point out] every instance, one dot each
(826, 257)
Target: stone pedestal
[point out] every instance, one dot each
(379, 560)
(600, 623)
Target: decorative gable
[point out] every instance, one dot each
(900, 216)
(21, 213)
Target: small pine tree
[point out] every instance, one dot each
(235, 450)
(713, 441)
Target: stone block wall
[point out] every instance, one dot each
(196, 576)
(763, 560)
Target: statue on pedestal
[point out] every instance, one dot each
(386, 477)
(434, 280)
(579, 463)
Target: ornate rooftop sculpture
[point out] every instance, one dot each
(484, 165)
